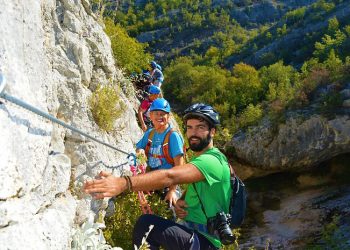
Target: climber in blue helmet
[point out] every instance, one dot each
(157, 74)
(153, 64)
(144, 109)
(162, 145)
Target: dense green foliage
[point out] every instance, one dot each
(128, 53)
(208, 29)
(187, 26)
(120, 225)
(243, 95)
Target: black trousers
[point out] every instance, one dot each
(168, 234)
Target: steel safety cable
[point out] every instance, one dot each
(41, 113)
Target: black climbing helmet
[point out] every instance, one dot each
(205, 111)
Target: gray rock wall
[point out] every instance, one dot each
(297, 144)
(53, 53)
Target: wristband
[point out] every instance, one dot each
(129, 183)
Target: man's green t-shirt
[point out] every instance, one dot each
(215, 191)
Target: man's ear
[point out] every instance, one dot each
(212, 132)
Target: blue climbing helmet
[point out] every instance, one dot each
(160, 104)
(159, 67)
(154, 90)
(153, 64)
(145, 72)
(204, 111)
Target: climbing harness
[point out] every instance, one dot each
(135, 169)
(48, 116)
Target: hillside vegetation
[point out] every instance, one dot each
(244, 72)
(231, 31)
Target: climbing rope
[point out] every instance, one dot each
(48, 116)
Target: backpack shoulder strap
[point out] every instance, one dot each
(165, 147)
(149, 142)
(200, 201)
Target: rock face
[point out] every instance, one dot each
(294, 145)
(53, 53)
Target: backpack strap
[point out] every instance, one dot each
(149, 142)
(200, 201)
(165, 147)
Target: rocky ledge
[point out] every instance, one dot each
(304, 140)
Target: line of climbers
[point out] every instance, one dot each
(204, 209)
(149, 77)
(161, 144)
(148, 83)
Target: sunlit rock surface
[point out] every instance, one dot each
(53, 55)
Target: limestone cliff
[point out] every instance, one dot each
(53, 53)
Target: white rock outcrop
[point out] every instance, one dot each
(53, 53)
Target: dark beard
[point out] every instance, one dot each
(203, 143)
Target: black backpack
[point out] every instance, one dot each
(238, 203)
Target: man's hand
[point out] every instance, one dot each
(171, 197)
(180, 209)
(107, 186)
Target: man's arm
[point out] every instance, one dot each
(110, 185)
(171, 195)
(178, 161)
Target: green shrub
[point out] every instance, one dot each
(222, 136)
(296, 15)
(251, 115)
(105, 106)
(128, 52)
(119, 227)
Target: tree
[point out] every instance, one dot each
(282, 31)
(295, 16)
(212, 55)
(333, 25)
(335, 65)
(323, 48)
(128, 53)
(197, 20)
(280, 82)
(247, 85)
